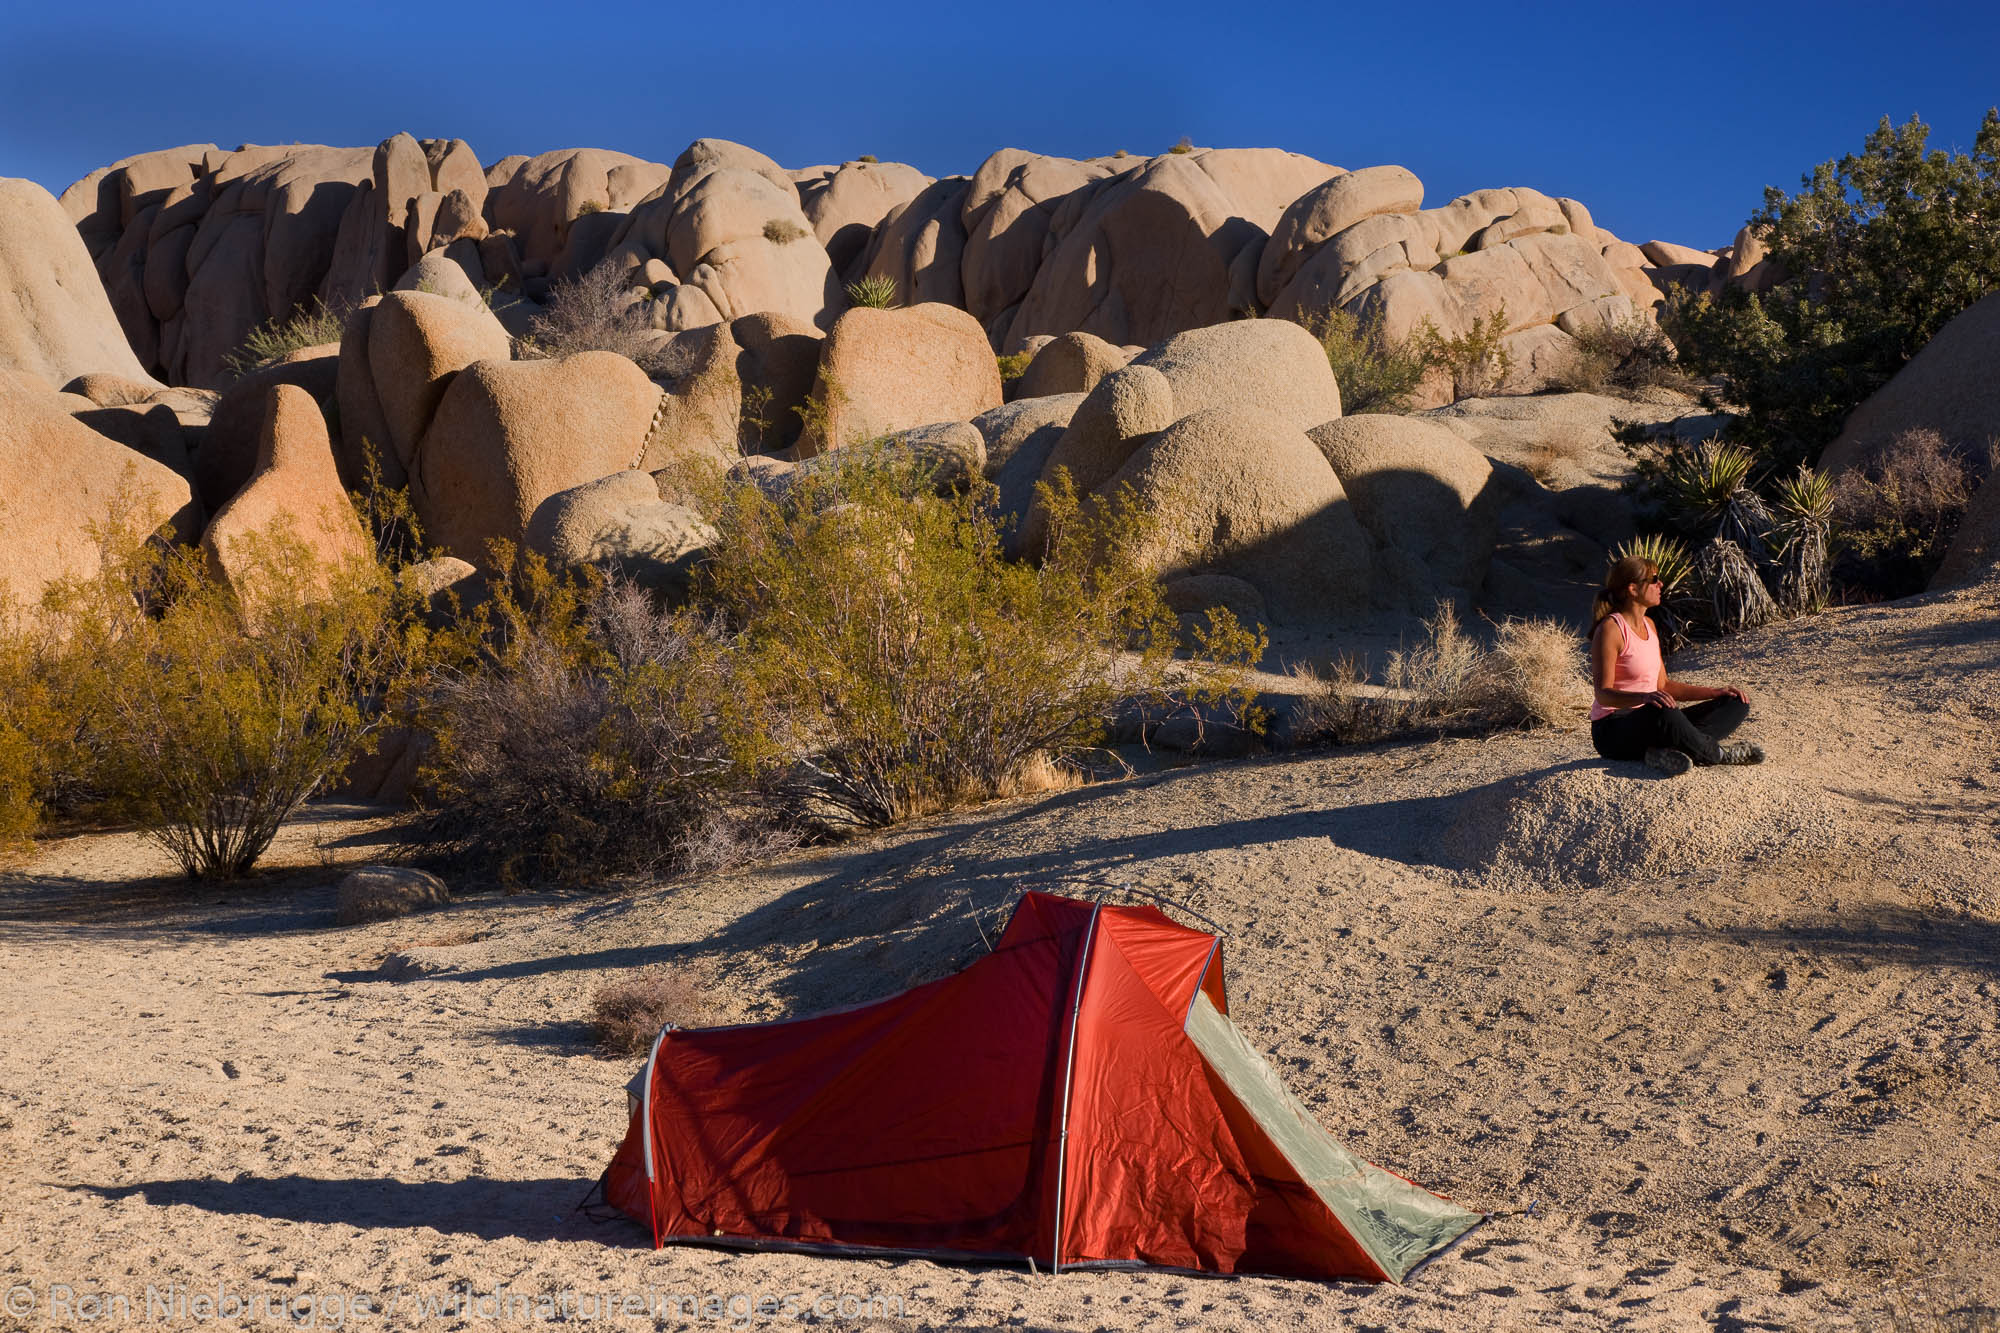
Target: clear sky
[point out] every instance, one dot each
(1666, 120)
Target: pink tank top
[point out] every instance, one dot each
(1638, 665)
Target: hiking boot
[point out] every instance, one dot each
(1743, 752)
(1671, 762)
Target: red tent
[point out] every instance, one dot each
(1076, 1097)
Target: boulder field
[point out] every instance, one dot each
(196, 246)
(1155, 311)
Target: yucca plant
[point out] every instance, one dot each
(1803, 530)
(1680, 601)
(1711, 485)
(877, 291)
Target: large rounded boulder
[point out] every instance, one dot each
(509, 434)
(1421, 493)
(620, 525)
(1270, 364)
(63, 481)
(56, 322)
(883, 371)
(1242, 491)
(295, 488)
(416, 343)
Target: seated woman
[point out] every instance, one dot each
(1637, 712)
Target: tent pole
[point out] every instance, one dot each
(646, 1131)
(1069, 1074)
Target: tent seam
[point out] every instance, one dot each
(1069, 1079)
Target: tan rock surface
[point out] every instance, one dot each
(230, 447)
(64, 478)
(56, 322)
(1949, 386)
(416, 342)
(295, 492)
(509, 434)
(1269, 364)
(1243, 492)
(1073, 363)
(889, 370)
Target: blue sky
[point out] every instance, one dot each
(1667, 121)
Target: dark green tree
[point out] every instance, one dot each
(1880, 249)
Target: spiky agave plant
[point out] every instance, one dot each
(1680, 601)
(1803, 530)
(877, 291)
(1710, 485)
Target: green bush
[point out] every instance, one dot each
(914, 667)
(1375, 373)
(783, 231)
(1882, 248)
(1477, 360)
(1014, 365)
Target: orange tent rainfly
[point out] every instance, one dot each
(1076, 1098)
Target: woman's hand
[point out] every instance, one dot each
(1731, 692)
(1661, 699)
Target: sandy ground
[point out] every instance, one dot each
(1718, 1051)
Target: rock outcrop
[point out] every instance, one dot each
(1949, 387)
(509, 434)
(887, 370)
(55, 320)
(63, 481)
(295, 492)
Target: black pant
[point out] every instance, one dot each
(1695, 729)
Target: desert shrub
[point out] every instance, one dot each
(1014, 365)
(591, 733)
(592, 312)
(877, 291)
(914, 666)
(1375, 373)
(868, 157)
(1881, 249)
(313, 325)
(212, 716)
(1897, 514)
(626, 1015)
(1624, 357)
(1184, 145)
(1477, 360)
(783, 231)
(1446, 681)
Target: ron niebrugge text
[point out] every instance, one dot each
(182, 1303)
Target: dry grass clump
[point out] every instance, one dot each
(313, 325)
(1547, 459)
(1531, 676)
(783, 231)
(593, 312)
(627, 1015)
